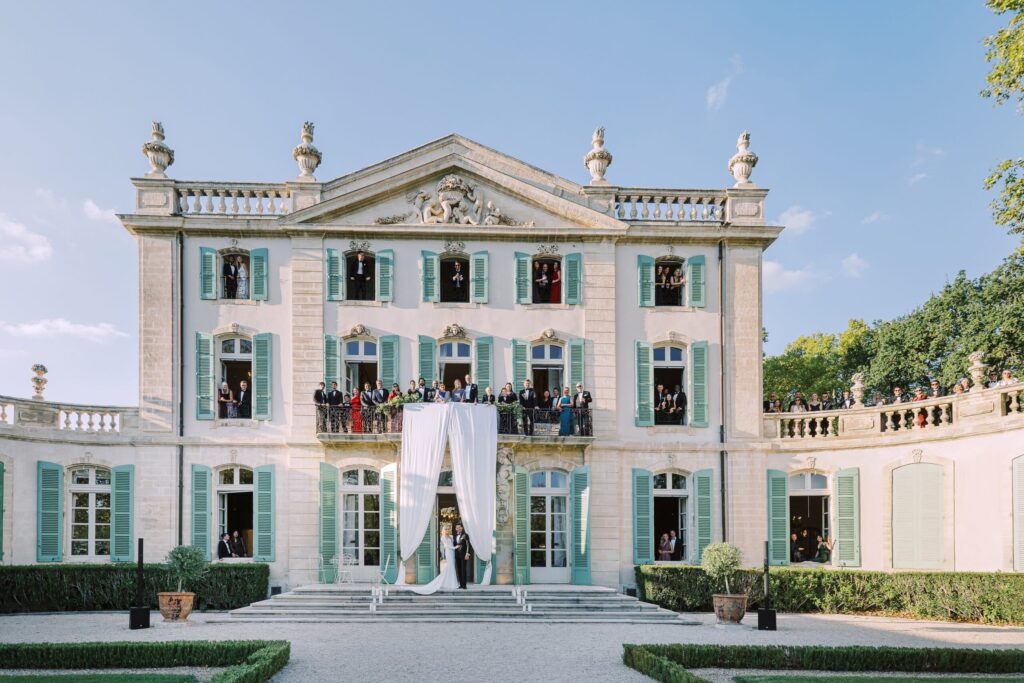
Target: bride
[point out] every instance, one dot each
(446, 580)
(243, 280)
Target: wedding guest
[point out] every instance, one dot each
(238, 545)
(794, 548)
(489, 396)
(581, 400)
(543, 285)
(322, 412)
(396, 392)
(457, 392)
(847, 401)
(824, 552)
(441, 395)
(320, 395)
(243, 279)
(556, 284)
(966, 384)
(936, 389)
(659, 293)
(536, 282)
(226, 401)
(224, 546)
(898, 396)
(769, 402)
(676, 285)
(435, 386)
(798, 405)
(413, 391)
(677, 546)
(458, 280)
(993, 379)
(366, 406)
(814, 404)
(1008, 380)
(958, 388)
(921, 416)
(469, 390)
(565, 414)
(826, 400)
(664, 549)
(878, 400)
(423, 391)
(528, 402)
(244, 400)
(360, 276)
(356, 411)
(677, 402)
(507, 417)
(777, 406)
(230, 273)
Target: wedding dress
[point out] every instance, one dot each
(243, 283)
(447, 579)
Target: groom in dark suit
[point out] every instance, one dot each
(462, 554)
(230, 273)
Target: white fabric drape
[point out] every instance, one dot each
(473, 440)
(424, 434)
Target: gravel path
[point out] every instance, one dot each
(503, 652)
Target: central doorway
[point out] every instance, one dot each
(455, 363)
(809, 510)
(447, 512)
(549, 527)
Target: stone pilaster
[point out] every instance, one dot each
(307, 309)
(599, 331)
(159, 290)
(303, 514)
(743, 341)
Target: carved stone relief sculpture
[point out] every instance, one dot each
(456, 202)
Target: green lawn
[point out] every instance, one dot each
(100, 678)
(869, 679)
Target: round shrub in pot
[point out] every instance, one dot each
(186, 567)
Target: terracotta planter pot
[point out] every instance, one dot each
(729, 609)
(176, 606)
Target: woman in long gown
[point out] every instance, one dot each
(446, 579)
(556, 284)
(243, 279)
(565, 416)
(357, 414)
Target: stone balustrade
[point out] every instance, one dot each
(669, 205)
(232, 199)
(66, 417)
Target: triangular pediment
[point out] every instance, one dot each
(454, 181)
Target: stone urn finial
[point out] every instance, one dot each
(742, 163)
(598, 159)
(39, 381)
(978, 370)
(160, 155)
(857, 389)
(306, 154)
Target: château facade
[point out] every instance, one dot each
(453, 259)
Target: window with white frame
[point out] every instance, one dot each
(547, 368)
(235, 356)
(670, 401)
(89, 491)
(549, 526)
(360, 524)
(809, 499)
(455, 361)
(235, 508)
(360, 364)
(671, 510)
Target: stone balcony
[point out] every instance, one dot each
(987, 410)
(71, 421)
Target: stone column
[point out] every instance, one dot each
(742, 341)
(599, 331)
(307, 305)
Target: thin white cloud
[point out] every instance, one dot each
(874, 217)
(718, 92)
(854, 265)
(94, 212)
(18, 243)
(797, 220)
(777, 278)
(916, 178)
(99, 333)
(924, 153)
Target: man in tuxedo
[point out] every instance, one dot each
(320, 401)
(846, 402)
(224, 547)
(422, 391)
(678, 398)
(469, 391)
(462, 554)
(230, 273)
(582, 400)
(244, 399)
(677, 547)
(660, 404)
(528, 401)
(334, 400)
(378, 398)
(936, 390)
(770, 402)
(360, 276)
(543, 285)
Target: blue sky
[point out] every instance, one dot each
(866, 117)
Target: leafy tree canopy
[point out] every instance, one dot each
(1005, 54)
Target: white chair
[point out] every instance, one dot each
(382, 575)
(344, 566)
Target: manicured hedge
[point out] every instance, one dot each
(955, 596)
(247, 661)
(78, 587)
(669, 663)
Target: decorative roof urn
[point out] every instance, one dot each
(743, 161)
(598, 159)
(160, 155)
(857, 389)
(306, 154)
(39, 381)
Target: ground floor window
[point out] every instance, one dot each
(235, 508)
(90, 512)
(809, 502)
(671, 509)
(360, 524)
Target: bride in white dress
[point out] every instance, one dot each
(243, 280)
(446, 580)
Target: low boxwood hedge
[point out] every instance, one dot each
(956, 596)
(247, 661)
(78, 587)
(669, 663)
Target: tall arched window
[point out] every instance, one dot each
(809, 499)
(360, 523)
(235, 504)
(670, 399)
(235, 274)
(235, 367)
(89, 491)
(360, 364)
(669, 281)
(455, 361)
(671, 507)
(547, 365)
(549, 527)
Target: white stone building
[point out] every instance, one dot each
(942, 487)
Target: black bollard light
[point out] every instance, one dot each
(139, 614)
(766, 615)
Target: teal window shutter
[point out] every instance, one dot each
(206, 380)
(699, 378)
(579, 493)
(577, 348)
(703, 512)
(428, 358)
(1018, 513)
(328, 521)
(201, 484)
(263, 514)
(523, 282)
(479, 287)
(426, 553)
(384, 275)
(643, 516)
(572, 277)
(262, 375)
(644, 416)
(389, 367)
(847, 538)
(259, 270)
(521, 525)
(520, 365)
(778, 517)
(695, 280)
(335, 280)
(645, 280)
(122, 504)
(430, 276)
(49, 512)
(485, 363)
(389, 522)
(332, 360)
(1, 512)
(208, 273)
(918, 517)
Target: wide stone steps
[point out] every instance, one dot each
(354, 603)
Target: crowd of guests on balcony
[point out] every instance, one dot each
(360, 412)
(826, 400)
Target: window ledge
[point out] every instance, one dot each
(239, 302)
(673, 309)
(370, 304)
(549, 307)
(238, 422)
(455, 304)
(234, 560)
(672, 429)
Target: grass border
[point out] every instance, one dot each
(247, 661)
(669, 663)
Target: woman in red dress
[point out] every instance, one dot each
(357, 414)
(556, 284)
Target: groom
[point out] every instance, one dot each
(461, 554)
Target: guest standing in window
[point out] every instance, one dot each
(676, 285)
(244, 400)
(661, 284)
(659, 294)
(543, 286)
(556, 284)
(238, 545)
(458, 281)
(243, 278)
(230, 273)
(664, 549)
(565, 414)
(536, 282)
(226, 401)
(360, 276)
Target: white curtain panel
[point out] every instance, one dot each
(424, 434)
(473, 440)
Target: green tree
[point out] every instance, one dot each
(820, 361)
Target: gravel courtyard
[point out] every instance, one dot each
(501, 652)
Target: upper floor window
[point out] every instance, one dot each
(90, 493)
(234, 376)
(233, 274)
(670, 399)
(661, 384)
(454, 277)
(671, 281)
(359, 275)
(549, 278)
(547, 371)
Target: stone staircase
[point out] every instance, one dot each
(540, 603)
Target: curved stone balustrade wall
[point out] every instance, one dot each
(66, 417)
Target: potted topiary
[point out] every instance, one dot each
(186, 566)
(720, 561)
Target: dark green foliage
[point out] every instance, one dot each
(802, 678)
(956, 596)
(73, 588)
(656, 666)
(247, 661)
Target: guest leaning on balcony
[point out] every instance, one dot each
(798, 405)
(1008, 379)
(878, 400)
(769, 402)
(935, 390)
(847, 401)
(815, 403)
(334, 400)
(489, 396)
(958, 389)
(922, 415)
(395, 392)
(898, 396)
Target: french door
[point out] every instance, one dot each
(549, 528)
